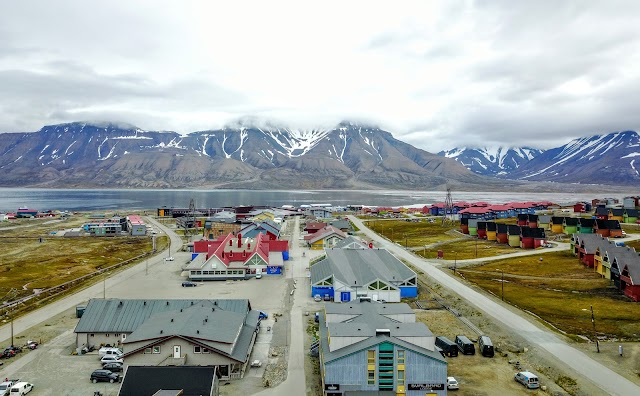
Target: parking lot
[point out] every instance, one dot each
(54, 371)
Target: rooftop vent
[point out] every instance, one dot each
(172, 319)
(167, 302)
(180, 309)
(380, 332)
(197, 331)
(144, 303)
(161, 331)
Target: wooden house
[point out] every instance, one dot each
(585, 226)
(532, 220)
(616, 214)
(570, 225)
(513, 232)
(615, 230)
(539, 237)
(502, 235)
(630, 279)
(600, 227)
(464, 225)
(522, 219)
(526, 238)
(602, 213)
(502, 211)
(482, 229)
(491, 231)
(473, 227)
(544, 221)
(557, 224)
(313, 226)
(630, 216)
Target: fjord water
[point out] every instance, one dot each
(112, 199)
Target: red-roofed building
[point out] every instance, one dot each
(235, 257)
(136, 226)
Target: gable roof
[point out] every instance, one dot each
(324, 233)
(360, 266)
(351, 242)
(148, 380)
(124, 316)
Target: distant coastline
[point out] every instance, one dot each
(149, 199)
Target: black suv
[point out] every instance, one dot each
(113, 366)
(104, 376)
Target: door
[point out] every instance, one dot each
(176, 351)
(345, 296)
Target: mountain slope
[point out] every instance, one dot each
(112, 155)
(603, 159)
(492, 162)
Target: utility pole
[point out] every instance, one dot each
(595, 335)
(455, 261)
(502, 281)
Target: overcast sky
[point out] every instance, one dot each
(435, 74)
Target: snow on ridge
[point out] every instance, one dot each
(131, 137)
(295, 140)
(636, 154)
(45, 147)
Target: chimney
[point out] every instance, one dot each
(244, 253)
(230, 242)
(239, 239)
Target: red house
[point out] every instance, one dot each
(502, 235)
(630, 280)
(526, 238)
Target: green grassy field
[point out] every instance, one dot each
(412, 234)
(28, 262)
(561, 291)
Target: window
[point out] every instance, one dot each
(400, 377)
(197, 349)
(124, 336)
(371, 377)
(147, 350)
(156, 349)
(92, 335)
(371, 357)
(107, 334)
(205, 350)
(400, 356)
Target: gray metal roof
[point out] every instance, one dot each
(357, 329)
(372, 320)
(356, 307)
(351, 242)
(360, 267)
(125, 316)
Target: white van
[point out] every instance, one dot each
(21, 388)
(109, 351)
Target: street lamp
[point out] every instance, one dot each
(455, 261)
(595, 335)
(502, 281)
(391, 234)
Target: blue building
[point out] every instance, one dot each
(368, 348)
(348, 274)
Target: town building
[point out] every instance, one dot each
(369, 348)
(218, 333)
(348, 274)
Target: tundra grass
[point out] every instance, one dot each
(412, 234)
(561, 291)
(464, 248)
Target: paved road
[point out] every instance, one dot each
(295, 384)
(601, 376)
(96, 291)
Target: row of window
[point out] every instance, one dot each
(230, 272)
(115, 335)
(155, 349)
(371, 366)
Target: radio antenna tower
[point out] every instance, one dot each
(189, 222)
(448, 209)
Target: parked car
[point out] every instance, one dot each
(111, 359)
(109, 351)
(170, 258)
(114, 367)
(189, 284)
(317, 298)
(448, 347)
(256, 363)
(452, 383)
(21, 388)
(104, 376)
(529, 380)
(5, 387)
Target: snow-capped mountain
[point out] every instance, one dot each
(492, 161)
(110, 155)
(603, 159)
